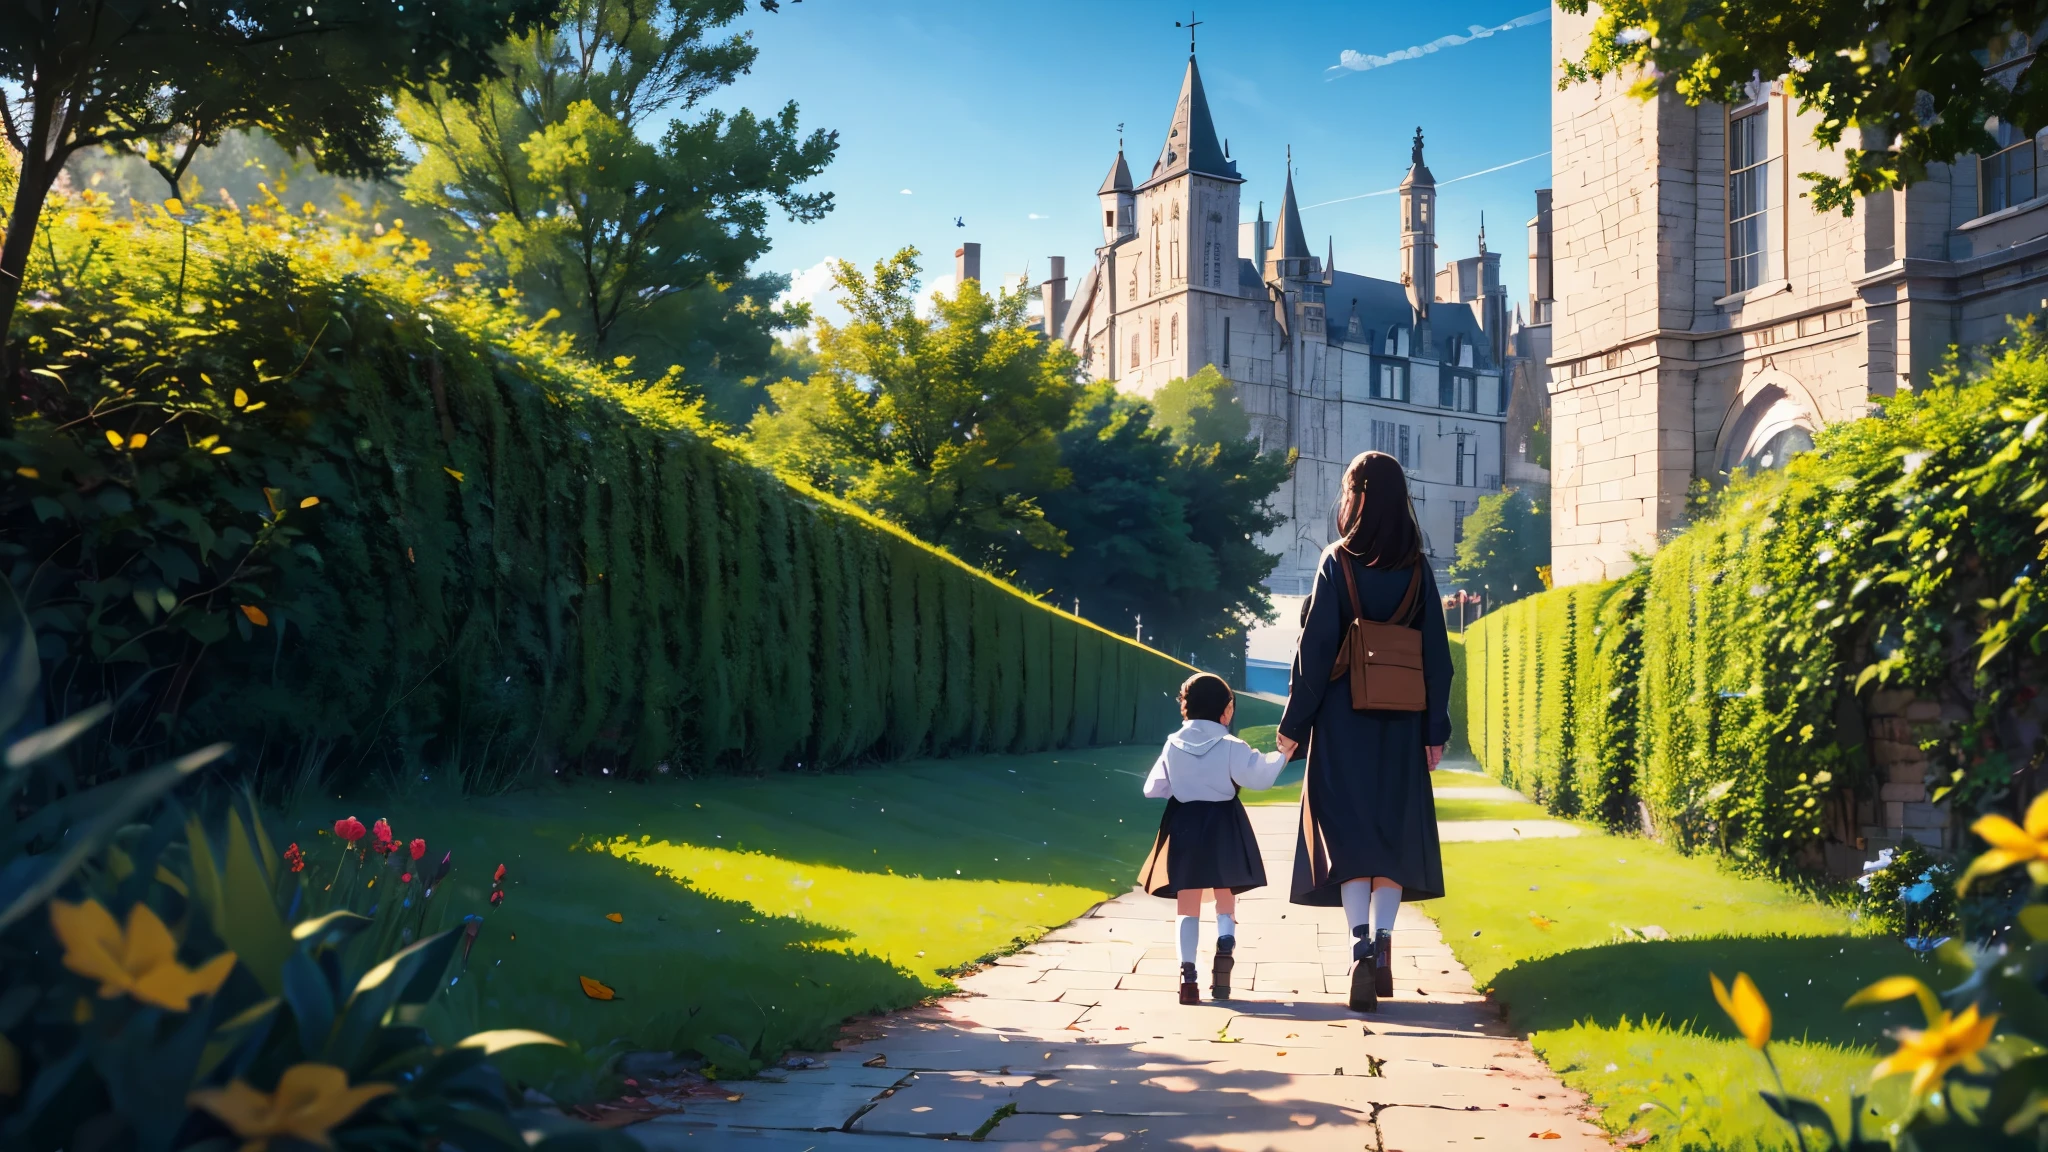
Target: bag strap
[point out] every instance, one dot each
(1404, 615)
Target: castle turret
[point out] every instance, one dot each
(1119, 204)
(1289, 256)
(1418, 232)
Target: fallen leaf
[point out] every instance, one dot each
(615, 917)
(595, 990)
(256, 615)
(452, 472)
(1542, 922)
(1279, 1053)
(1546, 1134)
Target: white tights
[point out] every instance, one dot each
(1371, 902)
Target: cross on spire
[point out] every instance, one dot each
(1191, 25)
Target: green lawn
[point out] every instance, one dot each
(1568, 946)
(763, 911)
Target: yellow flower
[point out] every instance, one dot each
(1949, 1040)
(141, 962)
(2012, 844)
(1745, 1005)
(310, 1100)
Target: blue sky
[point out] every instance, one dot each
(1006, 115)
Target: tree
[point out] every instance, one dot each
(1507, 540)
(170, 76)
(944, 425)
(548, 169)
(1920, 81)
(1167, 501)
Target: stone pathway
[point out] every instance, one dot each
(1077, 1043)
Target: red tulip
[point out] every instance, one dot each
(349, 829)
(498, 897)
(295, 858)
(418, 848)
(382, 829)
(405, 878)
(498, 877)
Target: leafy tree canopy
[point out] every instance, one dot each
(1163, 517)
(644, 244)
(1507, 539)
(169, 76)
(1921, 81)
(945, 425)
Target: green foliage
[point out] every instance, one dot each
(1898, 561)
(118, 1031)
(945, 425)
(1919, 82)
(1162, 528)
(1507, 538)
(547, 170)
(1202, 409)
(1911, 891)
(167, 78)
(284, 486)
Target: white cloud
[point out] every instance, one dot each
(1035, 216)
(903, 192)
(1351, 61)
(936, 286)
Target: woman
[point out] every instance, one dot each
(1367, 838)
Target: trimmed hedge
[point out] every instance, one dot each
(1721, 693)
(517, 560)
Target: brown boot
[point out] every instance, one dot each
(1226, 960)
(1190, 990)
(1383, 962)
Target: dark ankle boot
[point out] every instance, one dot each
(1190, 991)
(1364, 971)
(1383, 962)
(1219, 979)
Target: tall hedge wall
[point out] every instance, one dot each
(1721, 692)
(507, 559)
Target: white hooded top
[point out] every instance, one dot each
(1203, 761)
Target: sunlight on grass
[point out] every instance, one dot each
(925, 925)
(1698, 1093)
(1455, 808)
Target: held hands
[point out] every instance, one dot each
(1436, 755)
(1285, 745)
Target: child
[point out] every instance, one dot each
(1205, 841)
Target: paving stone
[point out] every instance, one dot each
(1424, 1129)
(941, 1104)
(1010, 1015)
(681, 1134)
(1291, 977)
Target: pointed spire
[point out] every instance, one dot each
(1330, 265)
(1418, 172)
(1191, 141)
(1482, 232)
(1293, 245)
(1119, 178)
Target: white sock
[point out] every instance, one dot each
(1190, 933)
(1226, 924)
(1357, 895)
(1386, 904)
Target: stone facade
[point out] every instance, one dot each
(1328, 363)
(1706, 318)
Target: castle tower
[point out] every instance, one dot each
(1493, 311)
(1119, 205)
(1418, 232)
(1289, 257)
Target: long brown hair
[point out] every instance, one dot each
(1376, 520)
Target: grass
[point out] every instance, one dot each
(1563, 933)
(756, 914)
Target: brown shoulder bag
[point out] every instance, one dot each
(1384, 658)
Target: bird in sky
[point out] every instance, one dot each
(959, 221)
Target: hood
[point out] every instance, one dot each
(1198, 736)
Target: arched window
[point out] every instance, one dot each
(1771, 429)
(1134, 349)
(1155, 337)
(1173, 335)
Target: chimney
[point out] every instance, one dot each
(966, 264)
(1053, 295)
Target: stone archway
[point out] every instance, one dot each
(1771, 419)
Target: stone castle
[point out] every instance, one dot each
(1707, 318)
(1328, 363)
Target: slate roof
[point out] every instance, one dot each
(1287, 229)
(1191, 141)
(1383, 304)
(1119, 178)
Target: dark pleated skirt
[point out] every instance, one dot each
(1203, 844)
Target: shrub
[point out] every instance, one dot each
(284, 486)
(1725, 684)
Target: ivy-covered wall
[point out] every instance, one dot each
(279, 484)
(1758, 686)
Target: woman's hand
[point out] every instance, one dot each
(1436, 755)
(1285, 745)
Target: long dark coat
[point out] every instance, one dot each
(1366, 806)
